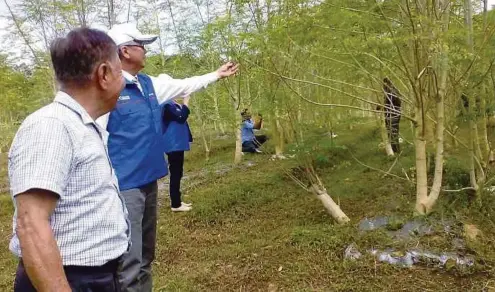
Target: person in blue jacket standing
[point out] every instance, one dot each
(176, 139)
(135, 145)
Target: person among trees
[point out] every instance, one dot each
(392, 113)
(135, 145)
(70, 222)
(477, 105)
(176, 139)
(251, 142)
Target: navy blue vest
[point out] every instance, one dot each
(135, 141)
(176, 136)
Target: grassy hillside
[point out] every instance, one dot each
(253, 229)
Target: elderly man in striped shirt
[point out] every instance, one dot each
(70, 222)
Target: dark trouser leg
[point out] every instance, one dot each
(81, 279)
(249, 146)
(392, 124)
(388, 127)
(135, 200)
(149, 236)
(176, 167)
(22, 282)
(260, 139)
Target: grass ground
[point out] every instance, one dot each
(253, 229)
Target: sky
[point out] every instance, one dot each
(17, 50)
(18, 53)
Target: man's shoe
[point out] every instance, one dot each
(182, 208)
(186, 204)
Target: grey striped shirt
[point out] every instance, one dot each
(61, 149)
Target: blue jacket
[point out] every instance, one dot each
(247, 132)
(135, 142)
(176, 132)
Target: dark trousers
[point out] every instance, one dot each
(251, 146)
(176, 169)
(392, 125)
(135, 274)
(81, 279)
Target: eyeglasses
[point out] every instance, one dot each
(139, 46)
(133, 44)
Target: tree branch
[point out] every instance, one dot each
(21, 33)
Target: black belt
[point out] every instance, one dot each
(109, 267)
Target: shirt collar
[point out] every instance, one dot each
(68, 101)
(65, 99)
(129, 78)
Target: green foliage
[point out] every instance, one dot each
(456, 173)
(301, 61)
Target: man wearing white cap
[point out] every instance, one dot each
(136, 148)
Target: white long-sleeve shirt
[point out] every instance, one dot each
(167, 88)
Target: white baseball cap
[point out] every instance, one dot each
(128, 34)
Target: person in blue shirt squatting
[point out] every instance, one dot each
(176, 139)
(135, 145)
(250, 142)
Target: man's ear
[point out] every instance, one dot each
(102, 73)
(124, 52)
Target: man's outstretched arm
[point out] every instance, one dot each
(167, 88)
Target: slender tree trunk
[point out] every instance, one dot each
(51, 74)
(111, 13)
(425, 206)
(160, 42)
(279, 132)
(205, 141)
(21, 33)
(83, 14)
(202, 122)
(332, 208)
(300, 121)
(178, 38)
(238, 120)
(474, 145)
(238, 138)
(453, 139)
(421, 169)
(424, 202)
(477, 140)
(472, 165)
(483, 133)
(218, 120)
(384, 135)
(129, 10)
(488, 152)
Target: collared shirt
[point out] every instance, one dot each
(61, 149)
(168, 88)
